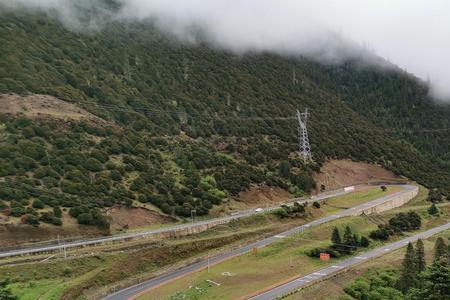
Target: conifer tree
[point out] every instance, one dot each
(434, 285)
(448, 254)
(364, 242)
(433, 210)
(336, 238)
(440, 250)
(408, 276)
(348, 236)
(420, 255)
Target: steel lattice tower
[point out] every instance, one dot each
(303, 140)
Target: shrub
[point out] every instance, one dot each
(38, 204)
(316, 204)
(382, 233)
(30, 220)
(57, 211)
(85, 218)
(281, 213)
(50, 218)
(115, 175)
(17, 211)
(77, 210)
(316, 252)
(67, 271)
(93, 165)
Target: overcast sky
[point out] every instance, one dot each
(413, 34)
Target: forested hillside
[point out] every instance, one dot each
(187, 126)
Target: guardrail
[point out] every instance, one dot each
(190, 228)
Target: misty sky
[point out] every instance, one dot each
(413, 34)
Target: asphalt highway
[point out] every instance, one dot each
(303, 281)
(120, 237)
(131, 292)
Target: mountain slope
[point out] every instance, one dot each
(188, 126)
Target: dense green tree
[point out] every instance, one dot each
(420, 255)
(348, 239)
(433, 210)
(5, 291)
(377, 287)
(284, 169)
(409, 271)
(434, 284)
(57, 211)
(238, 136)
(364, 242)
(38, 204)
(336, 238)
(435, 196)
(440, 250)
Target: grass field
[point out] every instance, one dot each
(116, 263)
(333, 288)
(358, 197)
(275, 263)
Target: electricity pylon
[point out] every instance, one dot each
(303, 140)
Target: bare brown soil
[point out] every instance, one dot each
(129, 218)
(261, 195)
(43, 107)
(338, 173)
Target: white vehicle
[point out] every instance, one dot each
(259, 209)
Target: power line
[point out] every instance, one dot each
(156, 111)
(173, 113)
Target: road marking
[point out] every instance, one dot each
(319, 274)
(280, 236)
(387, 249)
(213, 282)
(304, 280)
(337, 267)
(360, 257)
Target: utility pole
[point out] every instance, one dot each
(303, 140)
(192, 215)
(208, 264)
(59, 245)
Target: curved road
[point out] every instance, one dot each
(121, 237)
(133, 291)
(309, 279)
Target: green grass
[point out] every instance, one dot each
(359, 197)
(333, 288)
(105, 269)
(272, 264)
(268, 266)
(42, 289)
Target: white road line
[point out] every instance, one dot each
(360, 257)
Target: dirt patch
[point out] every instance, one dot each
(129, 218)
(264, 195)
(44, 107)
(338, 173)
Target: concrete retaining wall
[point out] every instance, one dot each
(395, 201)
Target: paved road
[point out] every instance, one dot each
(303, 281)
(120, 237)
(139, 288)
